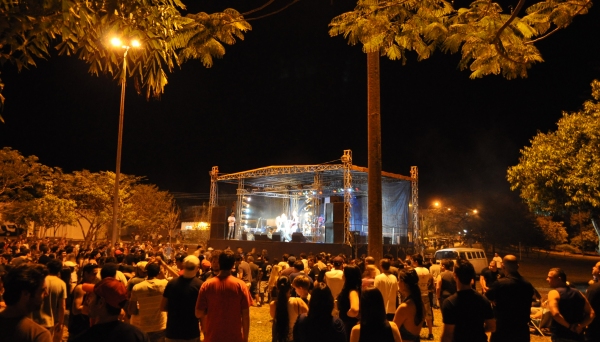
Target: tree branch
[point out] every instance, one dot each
(273, 13)
(558, 28)
(259, 8)
(497, 40)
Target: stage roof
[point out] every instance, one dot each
(302, 177)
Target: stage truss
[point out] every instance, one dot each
(291, 181)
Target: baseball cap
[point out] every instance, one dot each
(141, 266)
(205, 264)
(190, 263)
(113, 292)
(292, 259)
(118, 252)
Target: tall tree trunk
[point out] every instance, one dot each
(597, 229)
(374, 164)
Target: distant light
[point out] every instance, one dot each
(249, 199)
(475, 211)
(464, 230)
(135, 43)
(116, 42)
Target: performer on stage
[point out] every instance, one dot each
(231, 221)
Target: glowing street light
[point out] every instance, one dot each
(118, 43)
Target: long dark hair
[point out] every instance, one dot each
(282, 318)
(409, 277)
(352, 282)
(372, 311)
(320, 307)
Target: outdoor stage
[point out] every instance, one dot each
(311, 208)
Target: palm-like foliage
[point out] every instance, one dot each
(490, 41)
(84, 28)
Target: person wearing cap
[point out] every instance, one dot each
(24, 292)
(223, 305)
(105, 303)
(179, 302)
(334, 278)
(146, 297)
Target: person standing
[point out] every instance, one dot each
(446, 285)
(52, 313)
(223, 305)
(146, 297)
(467, 315)
(179, 302)
(570, 310)
(511, 297)
(334, 278)
(24, 293)
(592, 333)
(498, 260)
(387, 283)
(425, 285)
(231, 224)
(488, 276)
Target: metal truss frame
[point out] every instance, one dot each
(347, 163)
(414, 173)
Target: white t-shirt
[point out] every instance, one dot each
(334, 280)
(388, 286)
(231, 220)
(148, 295)
(424, 277)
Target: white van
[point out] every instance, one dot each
(475, 255)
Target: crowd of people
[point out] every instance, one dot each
(56, 290)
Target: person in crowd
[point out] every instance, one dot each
(498, 259)
(426, 285)
(285, 311)
(373, 325)
(79, 320)
(348, 301)
(410, 315)
(435, 269)
(467, 315)
(368, 277)
(243, 270)
(592, 332)
(319, 325)
(223, 304)
(105, 304)
(387, 283)
(146, 297)
(52, 313)
(255, 276)
(511, 296)
(265, 272)
(446, 285)
(24, 293)
(289, 269)
(179, 302)
(488, 276)
(334, 278)
(301, 286)
(571, 311)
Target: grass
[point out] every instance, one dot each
(260, 326)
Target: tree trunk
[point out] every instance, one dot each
(597, 229)
(374, 163)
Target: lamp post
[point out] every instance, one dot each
(116, 42)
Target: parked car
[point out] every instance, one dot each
(11, 230)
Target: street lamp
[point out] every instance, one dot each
(118, 43)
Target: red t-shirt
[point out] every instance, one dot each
(224, 299)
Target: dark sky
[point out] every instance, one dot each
(290, 94)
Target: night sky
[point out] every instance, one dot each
(290, 94)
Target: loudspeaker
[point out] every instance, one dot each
(334, 223)
(218, 223)
(387, 240)
(261, 237)
(298, 237)
(336, 199)
(276, 237)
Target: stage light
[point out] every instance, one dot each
(350, 189)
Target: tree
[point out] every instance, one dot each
(20, 177)
(150, 210)
(84, 28)
(554, 232)
(491, 43)
(559, 174)
(92, 192)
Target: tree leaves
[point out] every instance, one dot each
(84, 29)
(396, 26)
